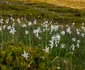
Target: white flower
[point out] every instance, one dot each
(82, 27)
(39, 38)
(29, 23)
(46, 49)
(18, 20)
(35, 21)
(58, 68)
(53, 37)
(78, 41)
(82, 24)
(73, 23)
(44, 25)
(63, 32)
(62, 45)
(54, 27)
(77, 32)
(1, 21)
(82, 34)
(0, 28)
(51, 43)
(54, 40)
(4, 26)
(67, 26)
(58, 37)
(46, 21)
(9, 27)
(13, 20)
(37, 31)
(12, 31)
(73, 39)
(7, 21)
(24, 25)
(13, 24)
(26, 32)
(77, 45)
(68, 30)
(25, 55)
(73, 47)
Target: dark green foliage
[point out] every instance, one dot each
(11, 59)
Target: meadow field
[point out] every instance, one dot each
(79, 4)
(41, 36)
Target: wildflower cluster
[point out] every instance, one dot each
(53, 38)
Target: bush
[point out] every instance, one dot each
(11, 59)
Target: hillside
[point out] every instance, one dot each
(79, 4)
(40, 11)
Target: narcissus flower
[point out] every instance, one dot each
(68, 30)
(26, 32)
(63, 32)
(62, 45)
(25, 55)
(12, 31)
(73, 39)
(0, 28)
(46, 49)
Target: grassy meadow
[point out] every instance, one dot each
(41, 36)
(78, 4)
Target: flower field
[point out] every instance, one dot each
(46, 45)
(42, 35)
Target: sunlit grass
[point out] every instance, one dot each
(79, 4)
(40, 10)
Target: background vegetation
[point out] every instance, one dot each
(41, 11)
(60, 14)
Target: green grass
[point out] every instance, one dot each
(34, 10)
(11, 58)
(13, 45)
(76, 4)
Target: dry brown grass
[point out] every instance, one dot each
(79, 4)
